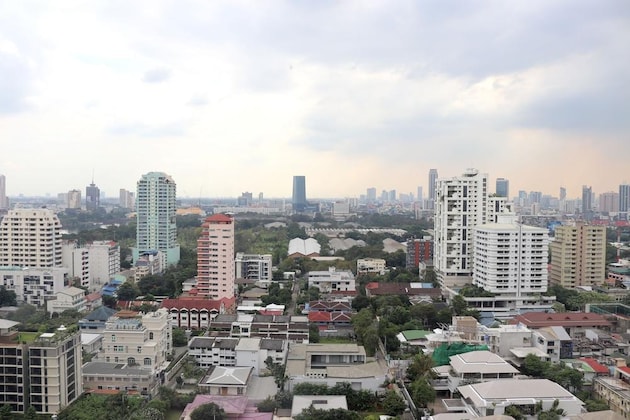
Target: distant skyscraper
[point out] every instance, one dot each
(419, 196)
(433, 176)
(609, 202)
(4, 202)
(578, 256)
(563, 193)
(156, 206)
(74, 199)
(624, 198)
(126, 199)
(503, 187)
(299, 194)
(215, 258)
(371, 194)
(92, 197)
(392, 195)
(30, 238)
(587, 199)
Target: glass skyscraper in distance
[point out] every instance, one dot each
(299, 194)
(156, 224)
(502, 187)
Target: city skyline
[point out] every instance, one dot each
(533, 92)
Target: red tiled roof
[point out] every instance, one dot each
(319, 316)
(270, 312)
(562, 319)
(93, 296)
(197, 303)
(219, 218)
(372, 285)
(624, 369)
(595, 365)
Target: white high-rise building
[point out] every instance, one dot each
(156, 225)
(461, 203)
(30, 238)
(104, 262)
(126, 199)
(511, 258)
(77, 260)
(74, 199)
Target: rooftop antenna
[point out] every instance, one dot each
(92, 176)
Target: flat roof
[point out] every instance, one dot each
(515, 389)
(481, 361)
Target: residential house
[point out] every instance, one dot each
(226, 380)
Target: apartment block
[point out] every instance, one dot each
(419, 251)
(104, 261)
(255, 267)
(33, 285)
(578, 256)
(44, 374)
(332, 280)
(77, 260)
(215, 258)
(371, 265)
(30, 238)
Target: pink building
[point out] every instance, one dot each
(215, 258)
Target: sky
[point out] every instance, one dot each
(234, 96)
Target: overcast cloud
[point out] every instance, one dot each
(233, 96)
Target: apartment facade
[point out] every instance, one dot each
(155, 214)
(30, 238)
(77, 260)
(136, 340)
(255, 267)
(578, 256)
(33, 285)
(104, 261)
(44, 374)
(215, 258)
(419, 251)
(461, 203)
(371, 265)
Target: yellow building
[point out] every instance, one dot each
(578, 256)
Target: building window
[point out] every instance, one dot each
(113, 338)
(150, 336)
(131, 361)
(147, 361)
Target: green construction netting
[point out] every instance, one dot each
(441, 354)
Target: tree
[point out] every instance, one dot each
(422, 392)
(459, 305)
(7, 297)
(420, 367)
(109, 301)
(127, 291)
(209, 411)
(5, 412)
(312, 413)
(393, 404)
(554, 413)
(596, 405)
(30, 413)
(267, 405)
(513, 411)
(313, 333)
(179, 337)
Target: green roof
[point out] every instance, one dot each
(415, 334)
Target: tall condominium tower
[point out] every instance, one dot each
(92, 197)
(299, 194)
(126, 199)
(156, 228)
(624, 198)
(30, 238)
(503, 187)
(433, 176)
(4, 202)
(461, 203)
(578, 255)
(609, 202)
(215, 258)
(74, 199)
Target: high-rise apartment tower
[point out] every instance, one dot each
(215, 258)
(578, 256)
(156, 205)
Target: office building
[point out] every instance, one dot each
(371, 194)
(299, 194)
(30, 238)
(624, 198)
(126, 199)
(45, 373)
(563, 193)
(503, 187)
(4, 201)
(215, 258)
(92, 197)
(461, 203)
(156, 223)
(578, 256)
(609, 202)
(419, 195)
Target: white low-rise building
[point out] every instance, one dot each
(255, 267)
(33, 285)
(332, 280)
(371, 265)
(68, 298)
(492, 398)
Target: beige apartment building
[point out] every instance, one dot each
(578, 256)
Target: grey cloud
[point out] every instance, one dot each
(14, 84)
(157, 75)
